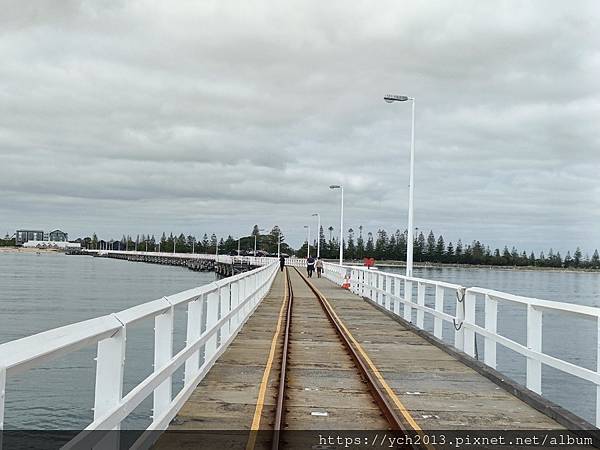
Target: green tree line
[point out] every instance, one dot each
(188, 244)
(431, 248)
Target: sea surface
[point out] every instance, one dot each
(40, 292)
(49, 290)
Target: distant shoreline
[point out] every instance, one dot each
(417, 265)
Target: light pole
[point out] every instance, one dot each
(261, 229)
(307, 241)
(341, 188)
(409, 239)
(318, 234)
(279, 244)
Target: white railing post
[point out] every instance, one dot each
(534, 342)
(420, 302)
(397, 296)
(439, 307)
(459, 329)
(388, 292)
(110, 365)
(225, 299)
(163, 351)
(379, 286)
(469, 335)
(597, 370)
(194, 327)
(2, 399)
(407, 299)
(212, 316)
(235, 300)
(491, 325)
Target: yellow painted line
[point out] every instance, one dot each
(260, 402)
(405, 413)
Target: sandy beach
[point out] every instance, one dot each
(28, 250)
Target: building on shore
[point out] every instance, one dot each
(57, 236)
(24, 236)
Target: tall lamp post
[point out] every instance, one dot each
(409, 239)
(279, 244)
(307, 240)
(260, 229)
(318, 234)
(341, 188)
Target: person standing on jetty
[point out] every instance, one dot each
(281, 262)
(319, 266)
(310, 266)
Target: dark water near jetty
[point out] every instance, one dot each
(40, 292)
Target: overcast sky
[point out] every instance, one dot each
(138, 117)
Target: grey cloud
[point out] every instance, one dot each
(185, 116)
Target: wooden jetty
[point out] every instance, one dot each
(427, 387)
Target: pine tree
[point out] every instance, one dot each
(577, 257)
(351, 252)
(439, 249)
(430, 248)
(360, 245)
(595, 261)
(370, 248)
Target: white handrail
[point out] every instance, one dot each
(390, 290)
(229, 303)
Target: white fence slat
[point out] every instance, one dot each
(491, 324)
(212, 316)
(439, 306)
(421, 302)
(194, 326)
(408, 300)
(469, 334)
(163, 351)
(534, 342)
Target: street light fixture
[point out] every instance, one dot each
(307, 241)
(340, 187)
(318, 234)
(409, 244)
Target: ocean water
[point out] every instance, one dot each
(40, 292)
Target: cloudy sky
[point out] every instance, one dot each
(138, 117)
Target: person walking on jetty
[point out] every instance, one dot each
(281, 262)
(319, 266)
(310, 266)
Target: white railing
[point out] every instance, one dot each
(390, 290)
(221, 308)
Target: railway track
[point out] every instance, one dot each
(317, 344)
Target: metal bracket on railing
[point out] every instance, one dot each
(459, 326)
(460, 295)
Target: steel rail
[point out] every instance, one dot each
(279, 410)
(395, 421)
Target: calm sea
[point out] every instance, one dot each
(39, 292)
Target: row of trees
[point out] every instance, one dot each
(392, 246)
(357, 245)
(188, 244)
